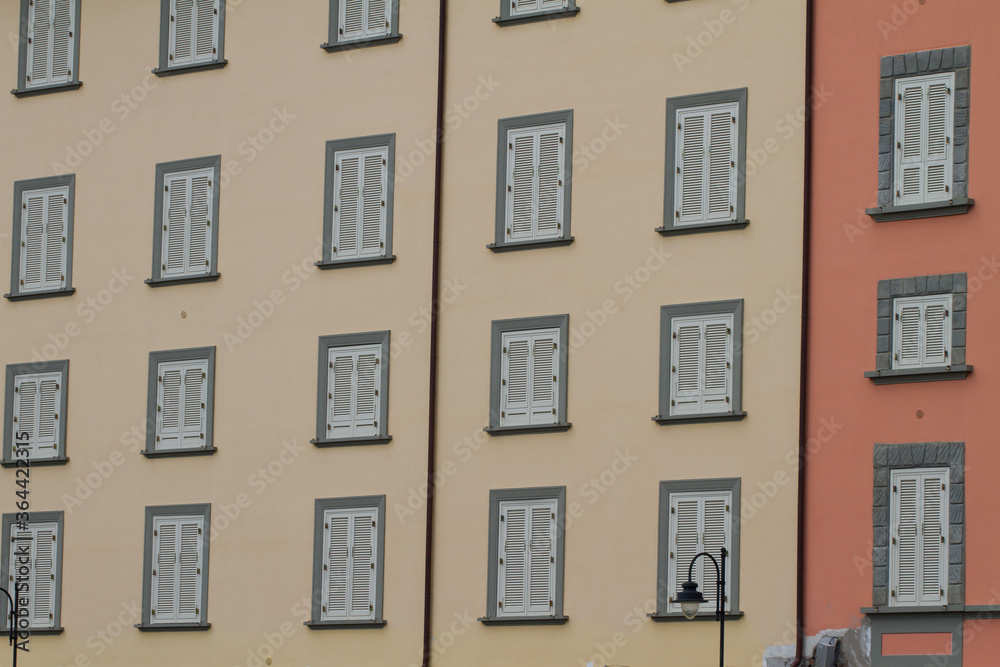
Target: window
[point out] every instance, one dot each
(175, 570)
(32, 562)
(357, 221)
(706, 157)
(353, 389)
(180, 402)
(49, 53)
(924, 135)
(528, 374)
(701, 362)
(921, 329)
(534, 188)
(697, 516)
(513, 12)
(526, 548)
(35, 412)
(42, 260)
(348, 562)
(186, 232)
(358, 23)
(192, 35)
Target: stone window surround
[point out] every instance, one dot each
(505, 18)
(334, 44)
(38, 517)
(59, 366)
(165, 68)
(20, 187)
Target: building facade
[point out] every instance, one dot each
(224, 350)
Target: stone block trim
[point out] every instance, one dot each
(955, 284)
(956, 59)
(918, 455)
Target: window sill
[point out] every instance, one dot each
(171, 627)
(32, 632)
(35, 463)
(353, 442)
(701, 228)
(344, 625)
(909, 611)
(701, 616)
(529, 245)
(326, 265)
(956, 206)
(184, 69)
(524, 620)
(31, 92)
(177, 452)
(700, 419)
(540, 16)
(163, 282)
(46, 294)
(331, 47)
(519, 430)
(902, 376)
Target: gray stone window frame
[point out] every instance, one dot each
(955, 284)
(505, 18)
(356, 502)
(206, 354)
(663, 593)
(387, 141)
(675, 104)
(152, 511)
(36, 517)
(557, 493)
(165, 68)
(22, 58)
(163, 169)
(889, 457)
(667, 314)
(380, 338)
(60, 366)
(499, 328)
(892, 68)
(334, 44)
(504, 125)
(20, 187)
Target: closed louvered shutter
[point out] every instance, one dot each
(44, 226)
(187, 223)
(354, 383)
(40, 541)
(51, 42)
(701, 353)
(36, 413)
(194, 31)
(181, 405)
(922, 332)
(177, 562)
(698, 522)
(526, 568)
(705, 177)
(924, 131)
(535, 167)
(361, 182)
(361, 19)
(521, 7)
(529, 382)
(350, 550)
(919, 548)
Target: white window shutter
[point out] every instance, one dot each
(350, 550)
(718, 372)
(336, 565)
(340, 399)
(176, 223)
(541, 559)
(193, 34)
(544, 378)
(367, 402)
(529, 379)
(207, 31)
(361, 186)
(26, 412)
(189, 570)
(177, 561)
(41, 541)
(50, 49)
(44, 222)
(908, 317)
(354, 381)
(922, 331)
(360, 19)
(685, 371)
(701, 358)
(520, 185)
(515, 380)
(699, 521)
(924, 136)
(346, 210)
(352, 20)
(689, 195)
(919, 547)
(199, 236)
(521, 7)
(363, 548)
(714, 536)
(527, 554)
(685, 543)
(933, 543)
(374, 203)
(36, 412)
(535, 168)
(512, 572)
(550, 182)
(377, 20)
(181, 405)
(721, 165)
(705, 177)
(937, 330)
(187, 223)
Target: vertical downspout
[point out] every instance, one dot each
(804, 345)
(433, 372)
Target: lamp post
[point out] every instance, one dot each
(691, 599)
(13, 623)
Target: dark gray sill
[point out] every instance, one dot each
(178, 452)
(163, 282)
(172, 627)
(331, 47)
(344, 625)
(47, 294)
(540, 16)
(908, 611)
(677, 616)
(31, 92)
(956, 206)
(700, 419)
(326, 265)
(39, 631)
(353, 442)
(529, 245)
(526, 620)
(683, 230)
(58, 461)
(902, 376)
(519, 430)
(982, 611)
(184, 69)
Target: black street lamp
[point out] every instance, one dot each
(691, 599)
